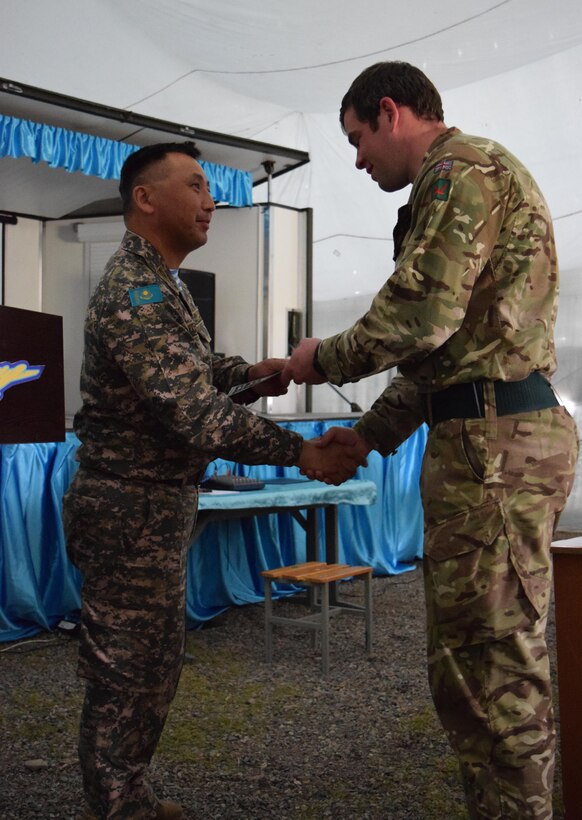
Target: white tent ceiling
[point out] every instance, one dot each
(276, 72)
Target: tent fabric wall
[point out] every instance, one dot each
(278, 72)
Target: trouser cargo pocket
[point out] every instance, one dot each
(473, 591)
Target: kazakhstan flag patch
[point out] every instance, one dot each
(148, 295)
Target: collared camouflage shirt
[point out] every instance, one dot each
(474, 292)
(154, 395)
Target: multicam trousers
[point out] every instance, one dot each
(130, 542)
(492, 491)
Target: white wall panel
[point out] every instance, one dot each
(22, 284)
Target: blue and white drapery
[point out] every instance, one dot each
(100, 157)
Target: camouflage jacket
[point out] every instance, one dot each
(154, 395)
(474, 292)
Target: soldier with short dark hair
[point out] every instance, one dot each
(467, 317)
(155, 412)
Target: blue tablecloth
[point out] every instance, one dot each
(290, 492)
(39, 586)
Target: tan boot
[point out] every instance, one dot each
(166, 810)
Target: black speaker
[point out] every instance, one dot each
(201, 284)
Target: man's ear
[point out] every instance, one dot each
(141, 196)
(389, 110)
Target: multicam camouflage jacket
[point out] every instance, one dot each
(154, 395)
(474, 292)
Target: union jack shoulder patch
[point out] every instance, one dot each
(443, 165)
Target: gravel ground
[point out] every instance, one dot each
(249, 740)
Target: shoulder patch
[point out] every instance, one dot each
(147, 295)
(443, 165)
(441, 188)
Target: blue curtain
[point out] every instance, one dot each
(39, 586)
(100, 157)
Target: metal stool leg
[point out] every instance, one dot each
(268, 621)
(315, 603)
(368, 611)
(325, 628)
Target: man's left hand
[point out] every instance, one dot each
(277, 385)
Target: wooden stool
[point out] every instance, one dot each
(318, 576)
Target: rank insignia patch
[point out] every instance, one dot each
(443, 165)
(145, 296)
(441, 188)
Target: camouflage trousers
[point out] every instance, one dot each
(492, 492)
(130, 542)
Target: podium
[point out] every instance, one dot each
(567, 559)
(32, 395)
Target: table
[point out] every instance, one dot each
(284, 495)
(300, 498)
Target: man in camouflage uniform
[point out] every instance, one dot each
(155, 412)
(468, 318)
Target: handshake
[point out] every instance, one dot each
(335, 456)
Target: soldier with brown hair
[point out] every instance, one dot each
(155, 412)
(467, 317)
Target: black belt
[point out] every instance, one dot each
(465, 401)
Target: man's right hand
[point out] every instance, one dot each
(333, 462)
(355, 447)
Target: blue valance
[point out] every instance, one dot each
(100, 157)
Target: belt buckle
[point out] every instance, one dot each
(480, 410)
